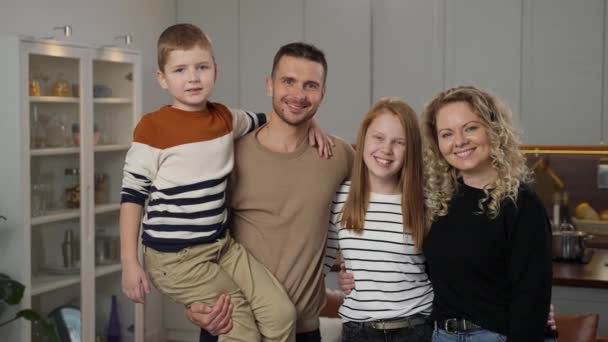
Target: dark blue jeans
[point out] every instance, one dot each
(357, 332)
(312, 336)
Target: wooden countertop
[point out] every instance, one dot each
(598, 241)
(594, 274)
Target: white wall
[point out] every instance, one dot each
(546, 58)
(98, 22)
(247, 34)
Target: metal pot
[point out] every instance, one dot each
(569, 244)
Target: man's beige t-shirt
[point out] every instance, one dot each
(280, 212)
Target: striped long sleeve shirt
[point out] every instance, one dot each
(390, 274)
(179, 162)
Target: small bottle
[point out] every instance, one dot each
(38, 130)
(72, 188)
(556, 210)
(114, 324)
(564, 209)
(67, 249)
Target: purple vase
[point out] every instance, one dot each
(114, 324)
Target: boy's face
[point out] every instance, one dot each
(296, 88)
(189, 76)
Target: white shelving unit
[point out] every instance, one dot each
(48, 282)
(65, 150)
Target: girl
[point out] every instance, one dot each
(377, 223)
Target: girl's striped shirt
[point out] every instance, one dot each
(390, 274)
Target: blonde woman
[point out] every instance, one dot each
(378, 223)
(489, 246)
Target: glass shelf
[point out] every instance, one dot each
(48, 282)
(57, 151)
(107, 208)
(112, 100)
(111, 148)
(54, 151)
(56, 216)
(54, 99)
(67, 214)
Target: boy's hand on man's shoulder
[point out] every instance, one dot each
(323, 141)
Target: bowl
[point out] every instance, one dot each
(595, 227)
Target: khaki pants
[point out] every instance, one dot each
(201, 273)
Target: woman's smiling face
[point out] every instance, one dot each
(463, 141)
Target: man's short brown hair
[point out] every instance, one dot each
(180, 37)
(301, 50)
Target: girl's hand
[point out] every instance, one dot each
(346, 280)
(551, 318)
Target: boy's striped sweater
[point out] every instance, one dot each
(179, 162)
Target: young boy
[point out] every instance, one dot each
(179, 162)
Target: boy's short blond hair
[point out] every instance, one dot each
(181, 37)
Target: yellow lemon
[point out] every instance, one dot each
(584, 211)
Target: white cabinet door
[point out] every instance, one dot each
(220, 20)
(562, 71)
(264, 26)
(57, 169)
(116, 79)
(407, 50)
(483, 46)
(12, 182)
(342, 29)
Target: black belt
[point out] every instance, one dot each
(455, 325)
(399, 323)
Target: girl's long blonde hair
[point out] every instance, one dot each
(410, 177)
(442, 179)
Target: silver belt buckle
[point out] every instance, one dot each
(446, 325)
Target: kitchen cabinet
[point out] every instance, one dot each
(546, 58)
(407, 47)
(581, 288)
(483, 46)
(264, 26)
(331, 25)
(68, 117)
(563, 72)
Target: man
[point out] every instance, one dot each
(282, 192)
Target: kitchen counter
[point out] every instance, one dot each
(598, 241)
(592, 275)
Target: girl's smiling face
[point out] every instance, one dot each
(384, 153)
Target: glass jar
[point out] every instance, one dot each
(35, 87)
(102, 188)
(61, 87)
(72, 188)
(38, 132)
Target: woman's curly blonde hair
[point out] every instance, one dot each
(510, 164)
